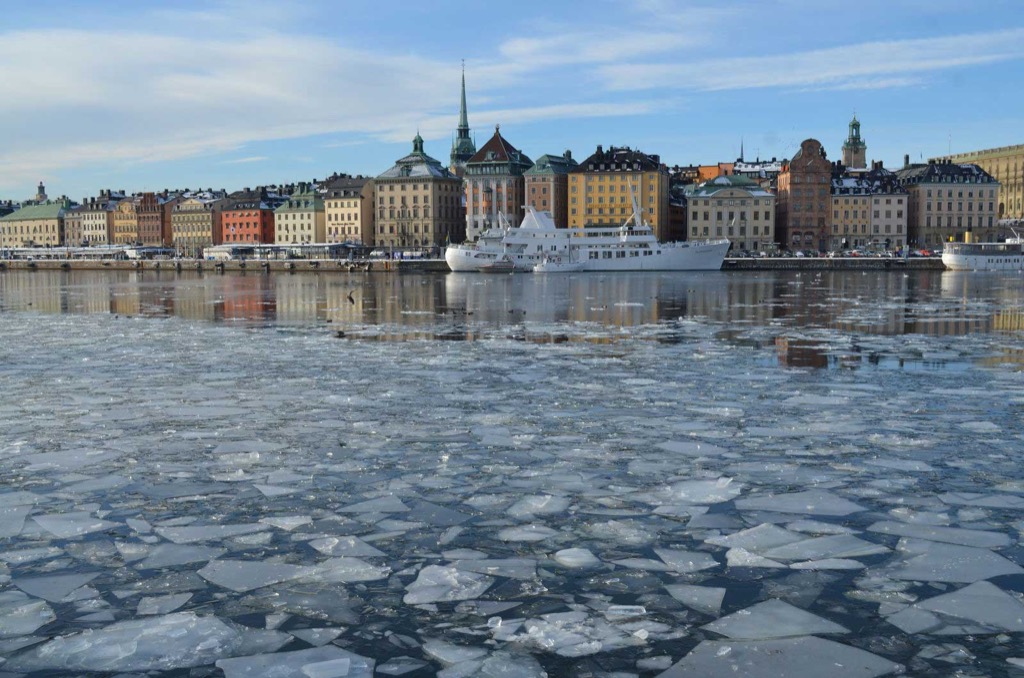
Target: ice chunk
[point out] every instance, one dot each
(757, 539)
(348, 570)
(287, 523)
(169, 555)
(829, 564)
(441, 516)
(772, 619)
(691, 448)
(713, 491)
(389, 504)
(245, 575)
(175, 641)
(922, 560)
(21, 615)
(811, 502)
(319, 636)
(685, 562)
(163, 604)
(12, 519)
(193, 533)
(449, 653)
(399, 666)
(807, 657)
(526, 533)
(54, 588)
(831, 546)
(344, 546)
(950, 535)
(72, 524)
(981, 604)
(1008, 501)
(576, 557)
(316, 662)
(706, 599)
(274, 490)
(436, 583)
(537, 505)
(514, 568)
(20, 556)
(738, 557)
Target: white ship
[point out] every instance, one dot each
(984, 256)
(630, 247)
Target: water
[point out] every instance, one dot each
(583, 475)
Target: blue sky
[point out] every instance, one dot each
(235, 93)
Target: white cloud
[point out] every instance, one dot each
(850, 66)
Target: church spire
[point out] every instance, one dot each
(463, 117)
(463, 147)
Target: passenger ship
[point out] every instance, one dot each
(535, 244)
(984, 256)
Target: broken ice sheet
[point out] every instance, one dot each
(981, 607)
(193, 533)
(54, 588)
(436, 583)
(345, 546)
(72, 524)
(12, 519)
(806, 657)
(174, 641)
(705, 599)
(245, 575)
(951, 535)
(577, 558)
(922, 560)
(21, 615)
(811, 502)
(162, 604)
(316, 662)
(772, 619)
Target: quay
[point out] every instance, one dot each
(439, 265)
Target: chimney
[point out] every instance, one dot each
(906, 160)
(567, 155)
(600, 149)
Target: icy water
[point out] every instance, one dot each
(730, 474)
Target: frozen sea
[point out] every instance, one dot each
(756, 474)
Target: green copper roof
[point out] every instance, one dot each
(48, 210)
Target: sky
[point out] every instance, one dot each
(236, 93)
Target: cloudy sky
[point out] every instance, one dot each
(232, 93)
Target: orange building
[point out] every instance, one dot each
(248, 217)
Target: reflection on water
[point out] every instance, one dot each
(464, 307)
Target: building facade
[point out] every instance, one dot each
(495, 184)
(599, 190)
(855, 151)
(1006, 166)
(196, 223)
(732, 207)
(73, 222)
(248, 217)
(349, 209)
(301, 218)
(547, 186)
(463, 147)
(126, 221)
(945, 200)
(39, 225)
(153, 220)
(869, 210)
(803, 207)
(98, 218)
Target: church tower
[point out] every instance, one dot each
(463, 147)
(855, 151)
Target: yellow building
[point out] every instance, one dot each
(732, 207)
(35, 225)
(348, 205)
(301, 218)
(599, 190)
(1006, 165)
(126, 222)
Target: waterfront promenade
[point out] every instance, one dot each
(439, 265)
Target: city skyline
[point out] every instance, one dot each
(235, 94)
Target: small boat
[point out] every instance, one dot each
(557, 264)
(499, 265)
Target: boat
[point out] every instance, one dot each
(629, 247)
(557, 264)
(499, 265)
(984, 256)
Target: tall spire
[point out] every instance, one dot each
(463, 117)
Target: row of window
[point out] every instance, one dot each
(960, 194)
(863, 214)
(730, 231)
(721, 216)
(959, 206)
(959, 222)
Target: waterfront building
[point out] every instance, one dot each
(495, 184)
(153, 211)
(732, 207)
(98, 217)
(948, 199)
(248, 217)
(763, 172)
(547, 186)
(126, 221)
(854, 149)
(419, 203)
(349, 209)
(73, 220)
(463, 147)
(869, 209)
(196, 222)
(37, 225)
(599, 190)
(684, 175)
(1006, 165)
(301, 218)
(803, 207)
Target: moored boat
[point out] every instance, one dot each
(984, 256)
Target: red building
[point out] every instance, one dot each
(249, 217)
